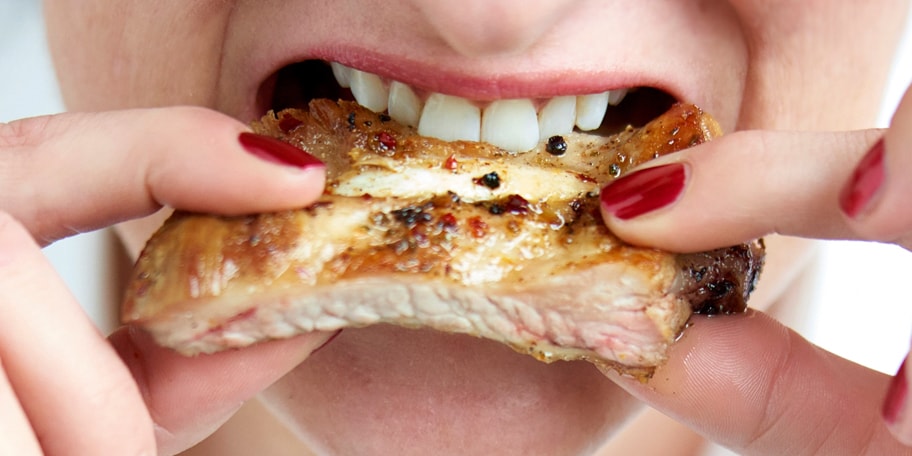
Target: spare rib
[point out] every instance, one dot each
(460, 236)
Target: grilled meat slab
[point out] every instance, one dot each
(458, 236)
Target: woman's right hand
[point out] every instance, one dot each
(747, 381)
(64, 388)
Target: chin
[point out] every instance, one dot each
(390, 390)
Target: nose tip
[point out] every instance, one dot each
(478, 28)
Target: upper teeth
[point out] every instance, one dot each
(513, 124)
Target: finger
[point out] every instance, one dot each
(875, 198)
(756, 387)
(75, 172)
(190, 397)
(78, 396)
(738, 187)
(18, 437)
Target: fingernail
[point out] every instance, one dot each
(275, 151)
(644, 191)
(866, 180)
(894, 407)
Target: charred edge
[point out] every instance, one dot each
(721, 281)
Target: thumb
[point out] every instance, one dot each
(188, 398)
(756, 387)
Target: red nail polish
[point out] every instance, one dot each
(896, 396)
(865, 181)
(644, 191)
(275, 151)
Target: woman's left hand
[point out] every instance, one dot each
(748, 382)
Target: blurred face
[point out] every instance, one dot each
(750, 63)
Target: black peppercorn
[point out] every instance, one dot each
(490, 180)
(556, 145)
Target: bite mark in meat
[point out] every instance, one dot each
(405, 235)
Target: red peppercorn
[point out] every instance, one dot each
(478, 226)
(450, 163)
(448, 220)
(387, 140)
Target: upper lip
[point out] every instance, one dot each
(484, 82)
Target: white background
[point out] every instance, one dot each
(864, 304)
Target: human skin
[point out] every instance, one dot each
(754, 65)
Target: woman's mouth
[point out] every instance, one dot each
(516, 124)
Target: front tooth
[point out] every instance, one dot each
(557, 117)
(404, 105)
(590, 110)
(342, 74)
(369, 91)
(510, 124)
(616, 96)
(450, 118)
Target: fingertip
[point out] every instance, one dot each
(641, 207)
(635, 205)
(718, 375)
(860, 192)
(190, 396)
(742, 186)
(644, 191)
(895, 409)
(690, 201)
(752, 385)
(279, 152)
(232, 171)
(874, 198)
